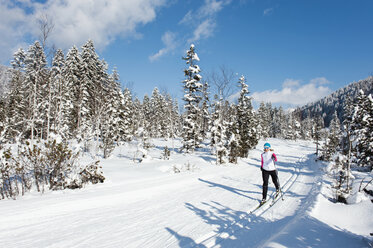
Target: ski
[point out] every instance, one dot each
(278, 195)
(275, 197)
(261, 204)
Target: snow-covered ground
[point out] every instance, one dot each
(147, 204)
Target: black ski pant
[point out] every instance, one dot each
(265, 175)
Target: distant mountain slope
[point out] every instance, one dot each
(336, 101)
(4, 78)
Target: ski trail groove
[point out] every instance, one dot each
(208, 239)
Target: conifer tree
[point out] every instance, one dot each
(233, 135)
(192, 89)
(126, 118)
(247, 122)
(94, 79)
(218, 132)
(138, 118)
(15, 108)
(147, 127)
(318, 125)
(73, 73)
(61, 94)
(346, 138)
(36, 86)
(332, 142)
(157, 116)
(171, 117)
(112, 121)
(362, 129)
(264, 120)
(277, 123)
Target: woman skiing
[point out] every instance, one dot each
(268, 168)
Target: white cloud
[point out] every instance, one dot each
(76, 21)
(320, 80)
(295, 94)
(211, 7)
(268, 11)
(169, 41)
(288, 83)
(102, 20)
(203, 30)
(187, 18)
(14, 24)
(203, 21)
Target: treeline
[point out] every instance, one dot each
(77, 101)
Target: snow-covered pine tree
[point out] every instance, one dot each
(111, 123)
(95, 78)
(271, 118)
(307, 128)
(138, 118)
(218, 132)
(346, 141)
(362, 129)
(247, 122)
(127, 125)
(332, 143)
(73, 73)
(233, 135)
(147, 127)
(282, 122)
(14, 121)
(264, 120)
(158, 117)
(36, 85)
(171, 118)
(61, 94)
(277, 122)
(318, 125)
(192, 89)
(293, 130)
(177, 120)
(165, 121)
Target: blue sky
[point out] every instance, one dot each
(291, 51)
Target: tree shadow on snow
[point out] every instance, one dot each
(184, 241)
(240, 192)
(241, 229)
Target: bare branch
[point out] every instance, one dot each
(46, 26)
(222, 82)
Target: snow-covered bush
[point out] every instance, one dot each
(338, 167)
(166, 153)
(49, 165)
(177, 168)
(92, 173)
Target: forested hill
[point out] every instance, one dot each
(336, 101)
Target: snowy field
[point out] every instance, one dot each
(147, 204)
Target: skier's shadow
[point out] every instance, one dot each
(240, 192)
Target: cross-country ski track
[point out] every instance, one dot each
(147, 205)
